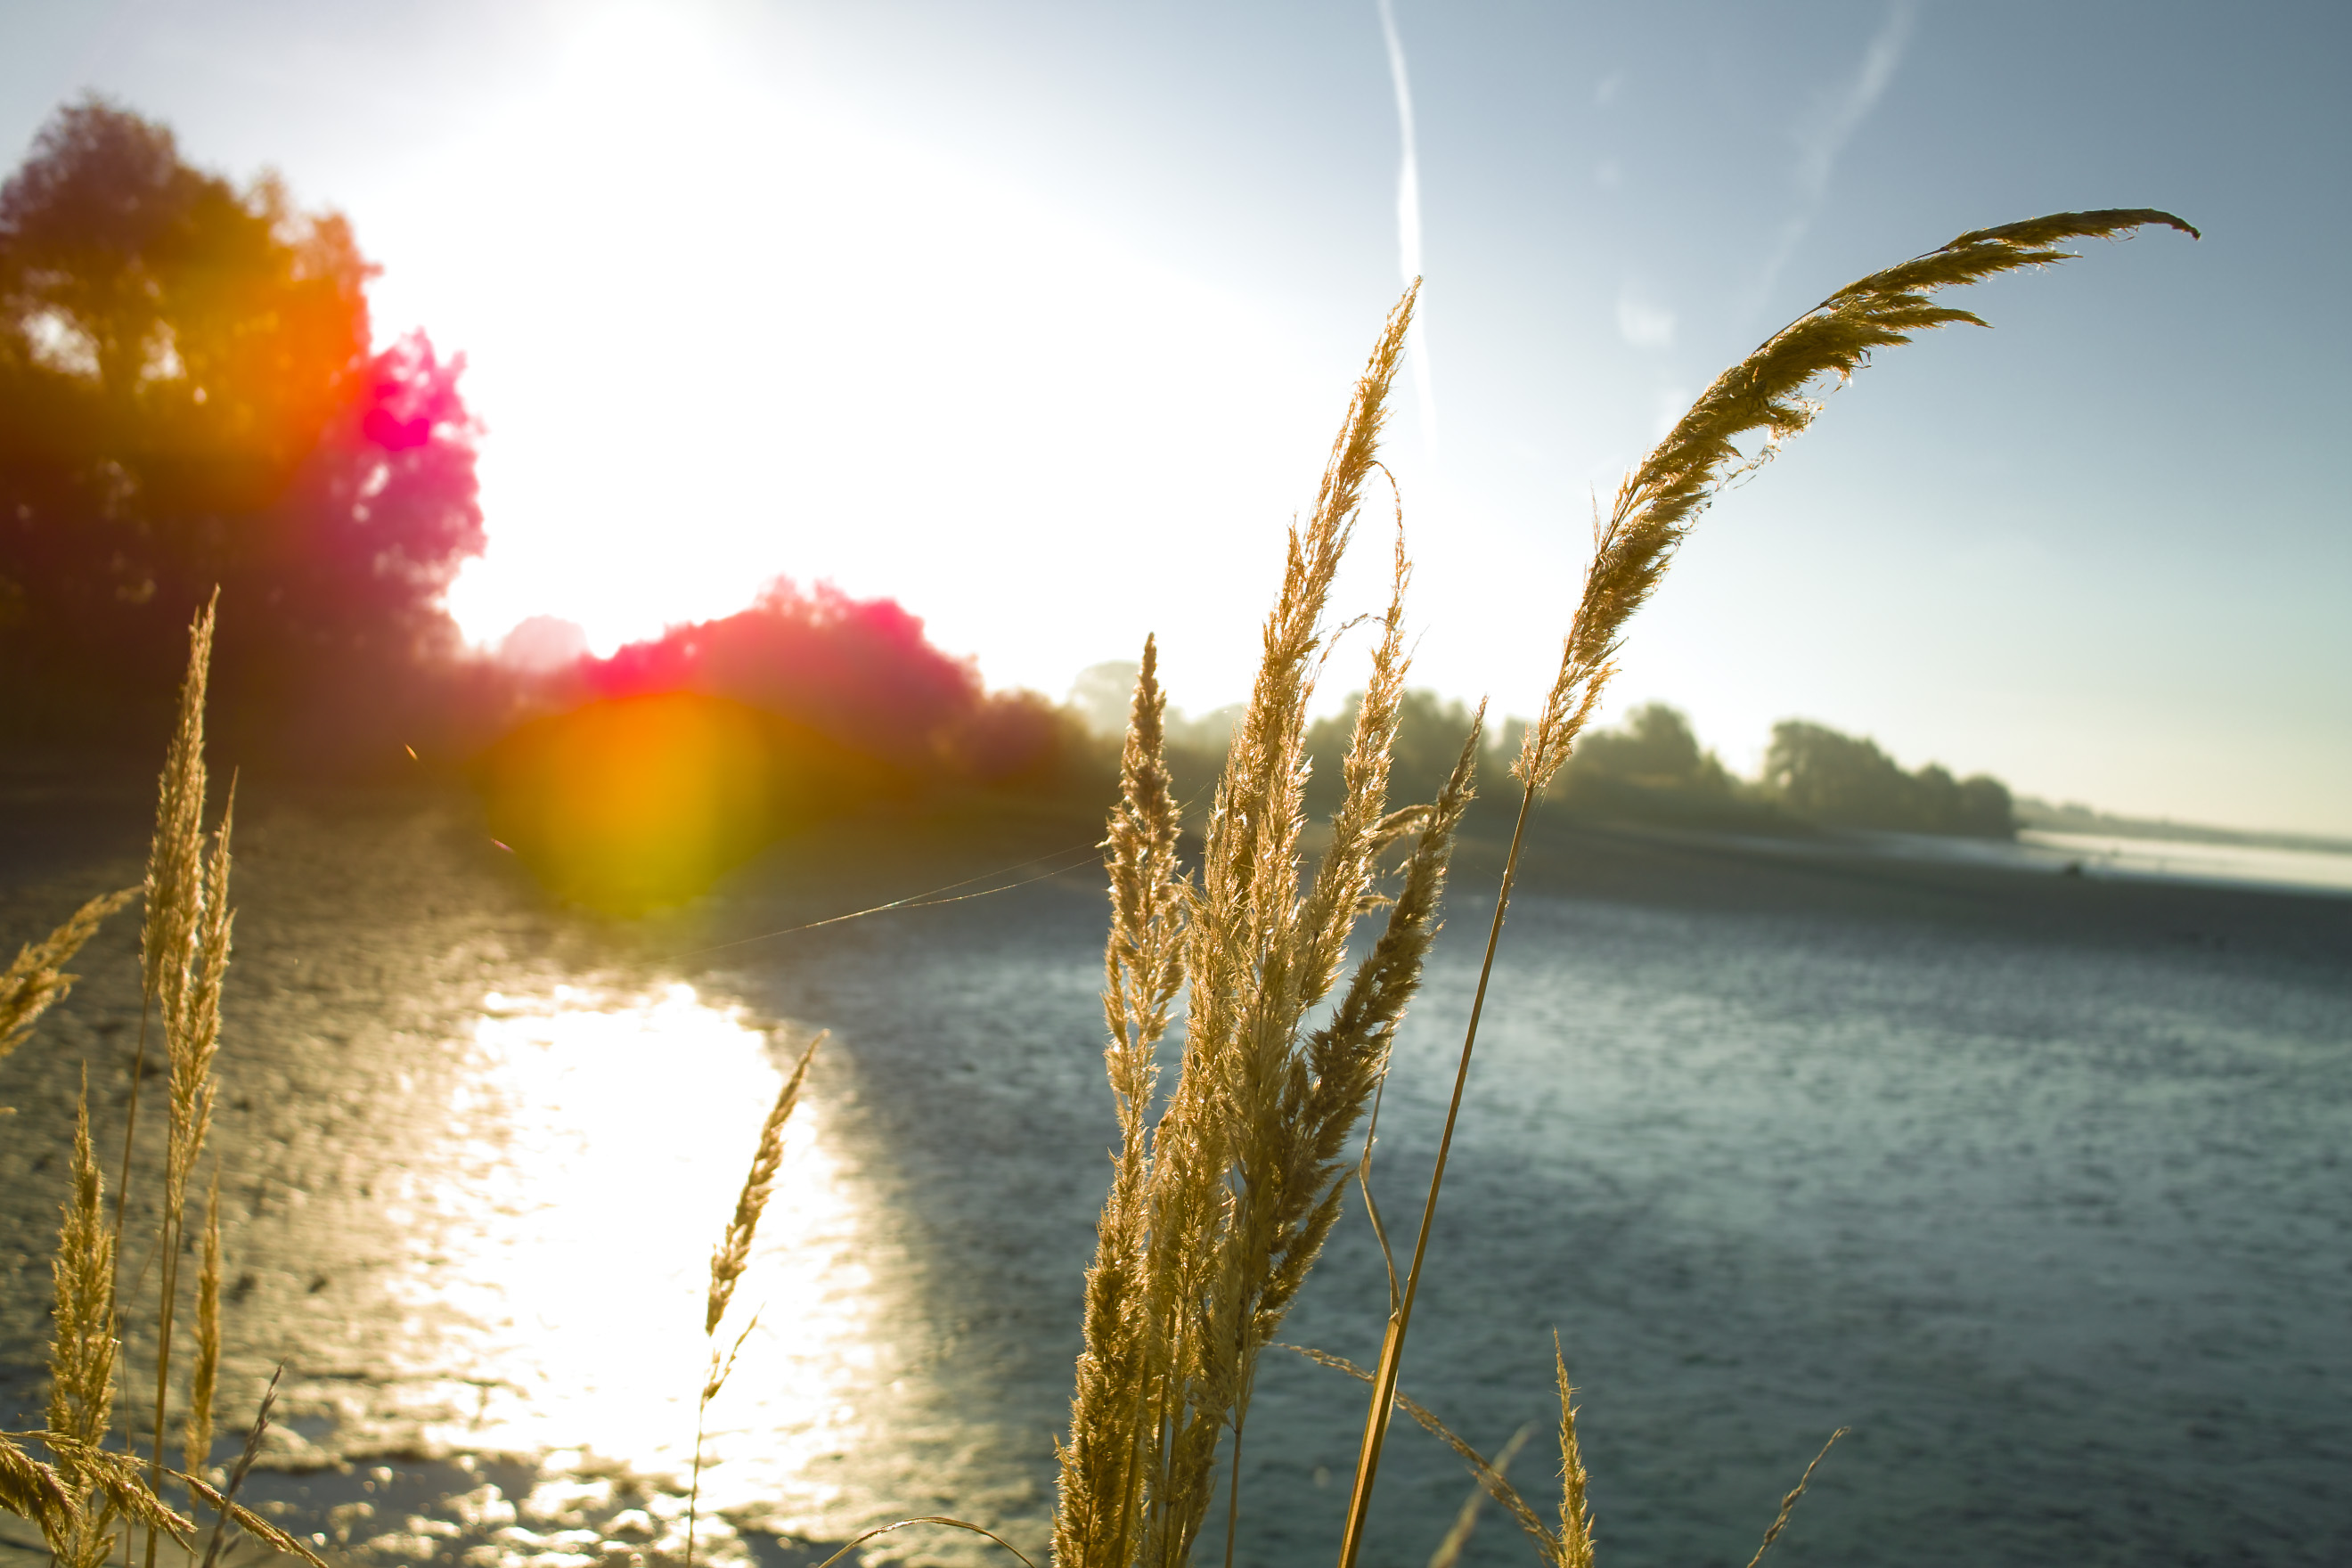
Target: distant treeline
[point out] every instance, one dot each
(2074, 816)
(1649, 769)
(1817, 774)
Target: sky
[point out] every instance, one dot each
(1039, 318)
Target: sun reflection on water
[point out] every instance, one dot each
(595, 1153)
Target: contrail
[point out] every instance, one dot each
(1838, 118)
(1824, 133)
(1409, 223)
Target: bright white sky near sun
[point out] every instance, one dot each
(1038, 318)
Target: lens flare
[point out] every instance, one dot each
(636, 801)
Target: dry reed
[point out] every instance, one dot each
(1789, 1503)
(228, 1511)
(1465, 1519)
(187, 964)
(174, 876)
(1559, 1548)
(119, 1484)
(196, 1443)
(32, 1489)
(1218, 1210)
(732, 1255)
(86, 1489)
(82, 1355)
(1769, 393)
(37, 980)
(1574, 1541)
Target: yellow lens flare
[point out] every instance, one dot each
(636, 801)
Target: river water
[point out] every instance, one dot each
(2055, 1214)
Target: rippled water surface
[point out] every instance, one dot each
(2059, 1225)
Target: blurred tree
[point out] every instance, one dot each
(1103, 695)
(1651, 768)
(1654, 748)
(189, 399)
(1817, 773)
(1430, 732)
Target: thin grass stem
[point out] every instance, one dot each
(130, 1137)
(243, 1468)
(927, 1519)
(163, 1365)
(1233, 1491)
(711, 1384)
(1789, 1503)
(1465, 1521)
(1376, 1420)
(694, 1490)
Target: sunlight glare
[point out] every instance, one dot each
(719, 332)
(617, 1136)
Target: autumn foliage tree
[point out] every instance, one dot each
(190, 399)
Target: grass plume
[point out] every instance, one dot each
(1770, 393)
(86, 1490)
(1143, 970)
(1218, 1209)
(732, 1255)
(82, 1352)
(226, 1507)
(1789, 1503)
(175, 856)
(118, 1487)
(37, 980)
(1773, 393)
(191, 1009)
(1573, 1544)
(32, 1489)
(196, 1443)
(175, 884)
(1488, 1474)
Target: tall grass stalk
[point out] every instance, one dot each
(731, 1256)
(174, 888)
(81, 1353)
(1789, 1503)
(197, 1441)
(86, 1490)
(185, 964)
(36, 980)
(1219, 1208)
(1772, 392)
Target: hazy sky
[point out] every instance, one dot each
(1039, 318)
